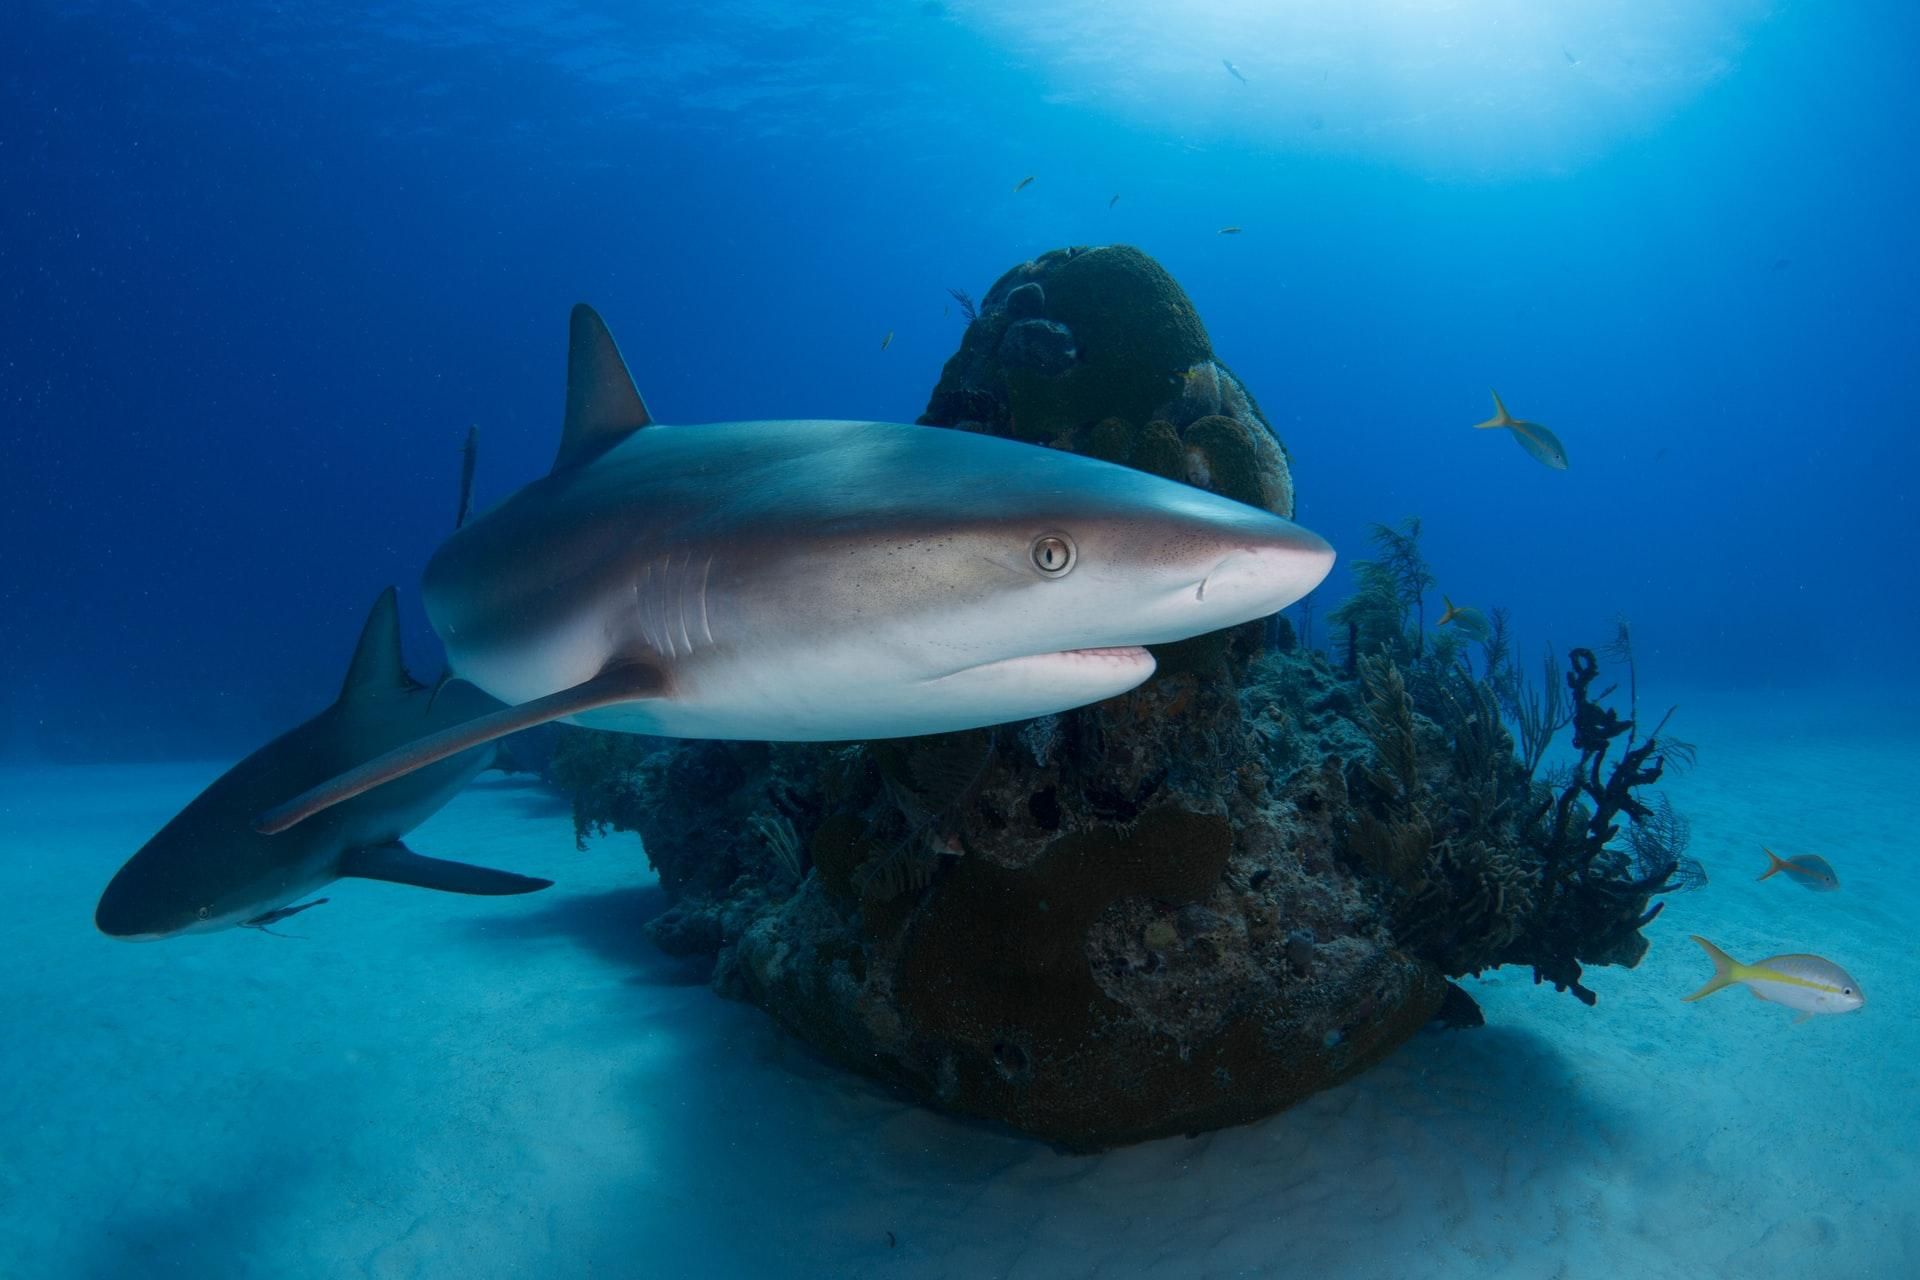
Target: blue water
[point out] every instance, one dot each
(261, 268)
(262, 272)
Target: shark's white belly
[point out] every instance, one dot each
(826, 701)
(819, 693)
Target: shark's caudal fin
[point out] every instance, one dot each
(377, 665)
(1500, 418)
(1725, 969)
(398, 864)
(603, 405)
(620, 684)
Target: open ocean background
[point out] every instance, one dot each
(260, 269)
(262, 266)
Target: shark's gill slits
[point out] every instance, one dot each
(652, 582)
(706, 574)
(686, 576)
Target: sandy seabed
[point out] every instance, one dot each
(422, 1085)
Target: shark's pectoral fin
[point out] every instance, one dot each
(398, 864)
(617, 684)
(281, 913)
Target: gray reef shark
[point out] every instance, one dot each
(209, 869)
(821, 581)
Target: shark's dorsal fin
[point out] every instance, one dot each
(377, 666)
(603, 405)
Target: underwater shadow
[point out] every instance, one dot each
(1500, 1085)
(531, 797)
(611, 925)
(1451, 1118)
(214, 1232)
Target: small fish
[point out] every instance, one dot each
(1113, 202)
(1801, 982)
(1021, 185)
(1233, 71)
(887, 341)
(1229, 231)
(1571, 60)
(1809, 871)
(1542, 444)
(1467, 618)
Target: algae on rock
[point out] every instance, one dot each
(1143, 387)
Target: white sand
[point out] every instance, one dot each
(436, 1086)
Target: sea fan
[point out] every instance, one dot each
(1659, 843)
(783, 842)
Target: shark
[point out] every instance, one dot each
(209, 869)
(793, 580)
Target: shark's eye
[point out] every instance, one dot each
(1053, 554)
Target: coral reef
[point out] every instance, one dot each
(1100, 351)
(1481, 864)
(1188, 906)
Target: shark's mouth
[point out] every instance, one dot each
(1113, 660)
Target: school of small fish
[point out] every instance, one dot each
(1807, 984)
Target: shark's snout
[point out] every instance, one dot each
(1263, 576)
(118, 914)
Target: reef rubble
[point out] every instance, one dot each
(1186, 907)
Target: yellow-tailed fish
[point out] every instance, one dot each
(1467, 618)
(1022, 184)
(1809, 871)
(887, 341)
(1801, 982)
(1229, 231)
(1542, 444)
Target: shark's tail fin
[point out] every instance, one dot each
(1500, 418)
